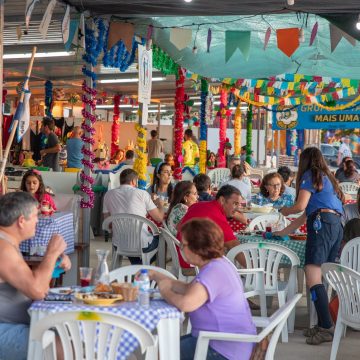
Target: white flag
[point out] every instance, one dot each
(28, 11)
(65, 26)
(24, 117)
(45, 22)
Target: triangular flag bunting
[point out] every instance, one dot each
(288, 40)
(28, 11)
(267, 37)
(237, 39)
(121, 31)
(65, 25)
(24, 117)
(44, 26)
(313, 33)
(336, 35)
(208, 42)
(181, 38)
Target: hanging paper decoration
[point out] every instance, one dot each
(249, 119)
(149, 37)
(48, 97)
(180, 37)
(235, 40)
(336, 35)
(208, 42)
(209, 108)
(237, 130)
(65, 25)
(115, 127)
(222, 114)
(28, 11)
(179, 121)
(120, 31)
(141, 160)
(288, 40)
(203, 127)
(163, 62)
(267, 37)
(313, 33)
(44, 25)
(73, 33)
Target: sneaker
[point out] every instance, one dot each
(309, 332)
(322, 335)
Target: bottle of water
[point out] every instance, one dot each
(144, 287)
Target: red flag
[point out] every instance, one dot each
(288, 40)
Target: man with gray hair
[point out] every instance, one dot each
(20, 285)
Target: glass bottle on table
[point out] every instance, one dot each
(101, 274)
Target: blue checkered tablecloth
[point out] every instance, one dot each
(298, 247)
(59, 223)
(148, 317)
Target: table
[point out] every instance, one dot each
(59, 223)
(296, 246)
(160, 315)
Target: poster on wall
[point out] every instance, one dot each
(145, 74)
(313, 117)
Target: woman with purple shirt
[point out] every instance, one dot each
(215, 299)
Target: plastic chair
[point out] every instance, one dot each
(72, 170)
(96, 335)
(268, 256)
(346, 282)
(273, 324)
(114, 178)
(260, 222)
(127, 232)
(127, 273)
(349, 188)
(350, 255)
(218, 176)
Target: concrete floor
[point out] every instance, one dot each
(296, 348)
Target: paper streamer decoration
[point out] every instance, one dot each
(203, 126)
(65, 25)
(121, 31)
(24, 117)
(44, 25)
(249, 119)
(235, 40)
(149, 37)
(179, 123)
(222, 114)
(267, 37)
(141, 160)
(237, 130)
(288, 40)
(181, 38)
(48, 97)
(28, 11)
(313, 33)
(115, 127)
(73, 31)
(336, 35)
(208, 42)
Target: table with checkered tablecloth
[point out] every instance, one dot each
(298, 247)
(59, 223)
(159, 315)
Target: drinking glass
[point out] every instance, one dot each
(85, 276)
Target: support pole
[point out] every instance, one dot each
(258, 137)
(1, 85)
(158, 118)
(278, 148)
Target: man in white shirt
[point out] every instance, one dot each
(344, 150)
(129, 199)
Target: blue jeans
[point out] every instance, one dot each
(13, 341)
(188, 346)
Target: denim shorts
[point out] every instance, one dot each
(13, 341)
(323, 246)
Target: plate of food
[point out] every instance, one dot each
(66, 290)
(299, 237)
(104, 299)
(265, 209)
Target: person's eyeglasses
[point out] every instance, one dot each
(274, 185)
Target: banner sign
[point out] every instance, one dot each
(145, 74)
(313, 117)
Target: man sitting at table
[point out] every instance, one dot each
(128, 199)
(19, 284)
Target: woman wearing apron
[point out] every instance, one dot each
(318, 193)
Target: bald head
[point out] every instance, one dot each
(77, 132)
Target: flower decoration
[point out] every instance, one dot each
(237, 130)
(222, 114)
(141, 160)
(249, 118)
(203, 126)
(115, 127)
(73, 98)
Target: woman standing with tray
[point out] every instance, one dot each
(318, 193)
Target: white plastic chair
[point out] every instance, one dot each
(349, 188)
(267, 256)
(114, 178)
(186, 175)
(218, 176)
(260, 222)
(350, 255)
(346, 282)
(127, 231)
(127, 273)
(275, 323)
(89, 337)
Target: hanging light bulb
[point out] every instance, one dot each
(289, 2)
(301, 35)
(188, 1)
(358, 23)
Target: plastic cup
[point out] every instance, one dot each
(85, 276)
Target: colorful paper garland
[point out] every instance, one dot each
(115, 127)
(140, 162)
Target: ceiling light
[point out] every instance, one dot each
(125, 106)
(358, 23)
(290, 2)
(188, 1)
(39, 55)
(130, 80)
(151, 111)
